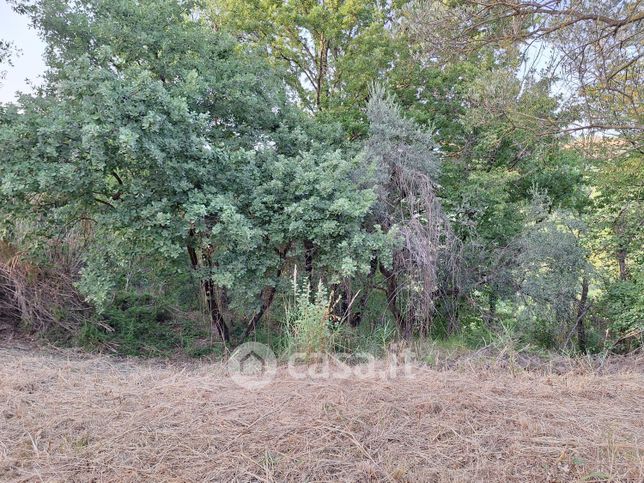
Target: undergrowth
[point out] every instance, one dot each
(138, 325)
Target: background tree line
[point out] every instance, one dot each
(433, 168)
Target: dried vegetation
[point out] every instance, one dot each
(68, 417)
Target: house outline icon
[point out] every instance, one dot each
(248, 359)
(252, 365)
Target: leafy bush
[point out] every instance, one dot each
(623, 306)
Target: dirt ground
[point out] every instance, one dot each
(69, 417)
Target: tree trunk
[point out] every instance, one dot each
(322, 71)
(309, 250)
(216, 317)
(623, 267)
(360, 304)
(343, 307)
(356, 315)
(581, 313)
(392, 300)
(492, 301)
(267, 300)
(208, 288)
(621, 253)
(267, 296)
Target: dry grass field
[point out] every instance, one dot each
(68, 417)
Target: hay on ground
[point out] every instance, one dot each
(72, 418)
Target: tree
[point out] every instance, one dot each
(407, 166)
(617, 210)
(493, 125)
(332, 49)
(553, 269)
(593, 47)
(177, 147)
(617, 241)
(6, 52)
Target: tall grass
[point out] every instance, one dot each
(309, 325)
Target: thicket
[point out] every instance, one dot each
(182, 160)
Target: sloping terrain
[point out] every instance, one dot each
(67, 417)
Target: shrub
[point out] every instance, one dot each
(623, 306)
(134, 325)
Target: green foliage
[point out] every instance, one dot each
(132, 121)
(212, 145)
(133, 325)
(623, 306)
(331, 51)
(174, 139)
(309, 326)
(7, 50)
(143, 325)
(553, 261)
